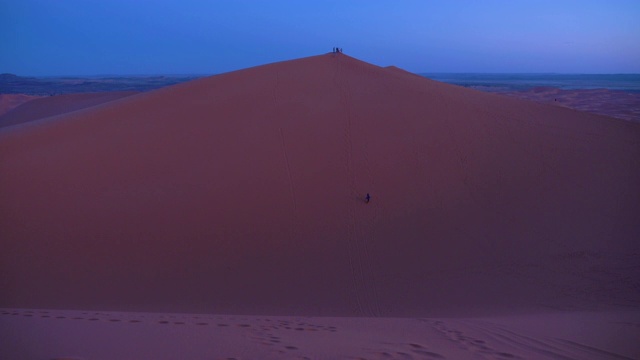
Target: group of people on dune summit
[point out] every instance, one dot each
(337, 50)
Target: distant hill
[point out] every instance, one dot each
(10, 78)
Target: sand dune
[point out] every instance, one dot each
(48, 106)
(242, 193)
(9, 102)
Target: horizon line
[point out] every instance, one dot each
(212, 74)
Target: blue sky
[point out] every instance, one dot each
(91, 37)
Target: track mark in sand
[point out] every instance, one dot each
(407, 351)
(469, 343)
(594, 351)
(355, 266)
(360, 229)
(421, 350)
(538, 347)
(291, 187)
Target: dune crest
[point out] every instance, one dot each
(244, 193)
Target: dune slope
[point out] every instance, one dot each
(9, 102)
(43, 107)
(244, 193)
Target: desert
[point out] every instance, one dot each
(497, 228)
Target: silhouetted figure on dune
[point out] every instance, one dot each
(367, 198)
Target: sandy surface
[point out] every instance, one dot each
(243, 193)
(618, 104)
(51, 334)
(43, 107)
(9, 102)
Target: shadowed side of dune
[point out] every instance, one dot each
(9, 102)
(244, 193)
(44, 107)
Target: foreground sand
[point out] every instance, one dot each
(55, 334)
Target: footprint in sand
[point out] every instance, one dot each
(421, 350)
(429, 354)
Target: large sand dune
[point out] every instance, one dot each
(243, 193)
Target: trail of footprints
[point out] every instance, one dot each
(470, 343)
(270, 332)
(263, 330)
(265, 324)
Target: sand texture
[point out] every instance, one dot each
(243, 193)
(55, 334)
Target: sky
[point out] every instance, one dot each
(147, 37)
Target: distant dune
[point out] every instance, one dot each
(9, 102)
(48, 106)
(243, 193)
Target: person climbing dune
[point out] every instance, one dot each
(367, 198)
